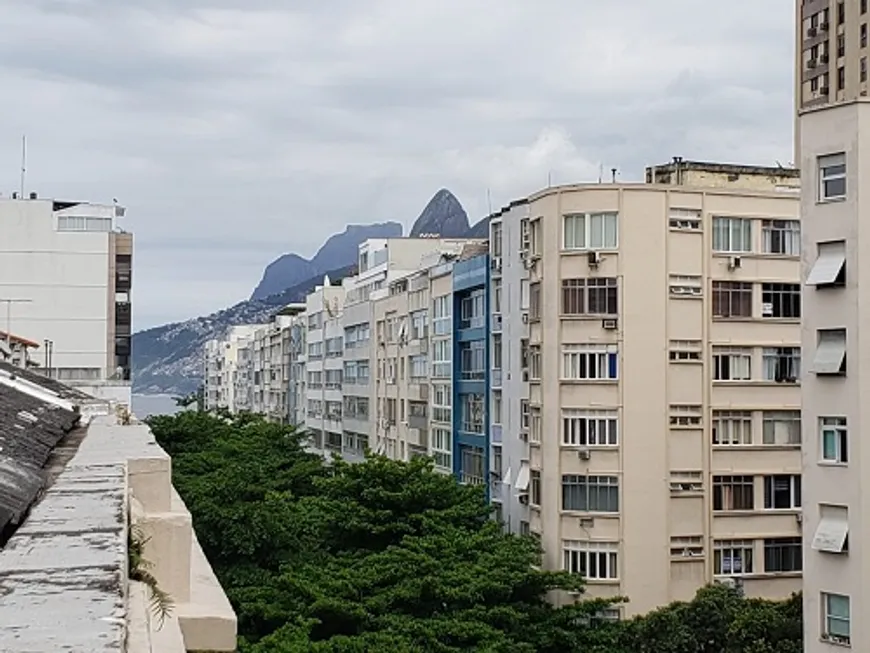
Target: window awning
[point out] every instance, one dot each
(523, 477)
(826, 269)
(830, 352)
(507, 477)
(832, 530)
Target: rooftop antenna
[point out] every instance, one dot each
(613, 172)
(550, 179)
(489, 201)
(23, 163)
(600, 172)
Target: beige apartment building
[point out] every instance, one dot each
(662, 431)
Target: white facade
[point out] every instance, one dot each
(222, 368)
(67, 271)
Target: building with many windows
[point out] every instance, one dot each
(835, 497)
(66, 283)
(647, 396)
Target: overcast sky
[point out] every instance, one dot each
(236, 130)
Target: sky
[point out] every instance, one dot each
(237, 130)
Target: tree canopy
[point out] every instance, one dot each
(383, 555)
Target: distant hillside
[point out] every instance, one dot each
(168, 359)
(339, 250)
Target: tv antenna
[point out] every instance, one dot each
(23, 164)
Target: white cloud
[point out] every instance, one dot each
(235, 130)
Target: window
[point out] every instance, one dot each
(832, 533)
(732, 427)
(781, 300)
(596, 296)
(536, 424)
(781, 427)
(441, 403)
(418, 366)
(832, 177)
(471, 469)
(441, 315)
(863, 60)
(685, 416)
(834, 440)
(419, 324)
(781, 364)
(535, 301)
(837, 621)
(732, 299)
(863, 6)
(472, 313)
(495, 238)
(333, 380)
(589, 362)
(496, 351)
(472, 360)
(472, 413)
(688, 286)
(732, 235)
(589, 428)
(441, 359)
(496, 407)
(830, 266)
(590, 493)
(733, 493)
(590, 231)
(686, 481)
(732, 364)
(732, 557)
(781, 237)
(496, 295)
(535, 487)
(442, 448)
(356, 407)
(592, 560)
(685, 219)
(535, 368)
(782, 555)
(841, 75)
(687, 546)
(830, 356)
(83, 223)
(685, 351)
(782, 492)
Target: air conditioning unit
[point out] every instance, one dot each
(824, 90)
(823, 59)
(529, 262)
(525, 376)
(824, 27)
(734, 263)
(495, 263)
(584, 454)
(609, 323)
(811, 32)
(812, 63)
(594, 259)
(525, 317)
(523, 499)
(587, 522)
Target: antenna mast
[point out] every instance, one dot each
(23, 164)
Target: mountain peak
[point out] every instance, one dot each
(443, 215)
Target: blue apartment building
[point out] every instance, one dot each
(471, 377)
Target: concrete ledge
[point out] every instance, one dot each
(207, 621)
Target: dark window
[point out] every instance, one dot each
(782, 492)
(733, 493)
(782, 554)
(732, 299)
(841, 13)
(781, 300)
(597, 296)
(841, 78)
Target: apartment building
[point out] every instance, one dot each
(65, 282)
(324, 366)
(837, 501)
(648, 398)
(227, 380)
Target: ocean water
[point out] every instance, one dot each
(145, 405)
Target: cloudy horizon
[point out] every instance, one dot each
(238, 130)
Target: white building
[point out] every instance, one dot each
(65, 281)
(222, 369)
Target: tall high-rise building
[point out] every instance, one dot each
(833, 128)
(647, 343)
(65, 284)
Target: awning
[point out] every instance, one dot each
(507, 477)
(831, 259)
(523, 477)
(830, 352)
(832, 530)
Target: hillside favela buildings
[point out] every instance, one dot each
(65, 290)
(618, 366)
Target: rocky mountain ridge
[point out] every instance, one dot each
(168, 359)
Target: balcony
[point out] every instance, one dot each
(495, 379)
